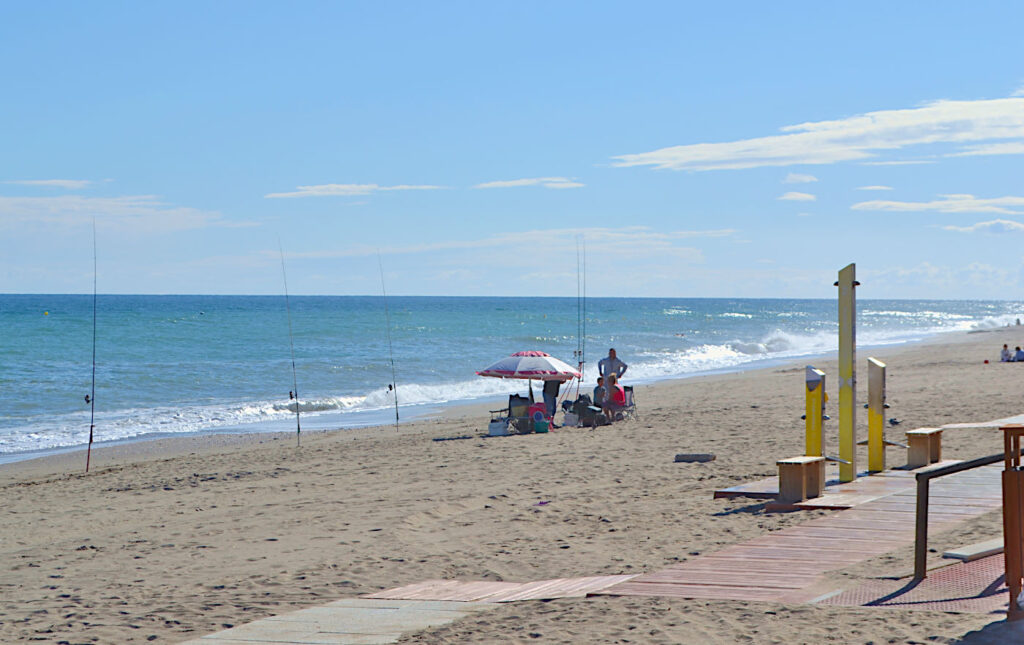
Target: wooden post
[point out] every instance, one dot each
(847, 373)
(876, 415)
(814, 412)
(1013, 519)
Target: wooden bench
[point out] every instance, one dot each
(924, 446)
(801, 478)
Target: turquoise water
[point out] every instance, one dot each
(185, 364)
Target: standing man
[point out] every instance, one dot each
(551, 397)
(611, 365)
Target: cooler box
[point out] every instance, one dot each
(498, 428)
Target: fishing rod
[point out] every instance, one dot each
(583, 336)
(91, 397)
(579, 320)
(393, 385)
(294, 394)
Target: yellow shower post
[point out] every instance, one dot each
(815, 411)
(847, 373)
(876, 415)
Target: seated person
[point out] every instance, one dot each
(1005, 356)
(1018, 355)
(599, 391)
(614, 399)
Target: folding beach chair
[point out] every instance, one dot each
(629, 410)
(516, 416)
(519, 413)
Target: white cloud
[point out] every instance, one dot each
(70, 184)
(899, 162)
(874, 188)
(797, 178)
(634, 241)
(1012, 148)
(546, 182)
(797, 197)
(991, 226)
(949, 204)
(345, 190)
(1019, 91)
(855, 138)
(931, 281)
(137, 213)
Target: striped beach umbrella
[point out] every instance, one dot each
(532, 365)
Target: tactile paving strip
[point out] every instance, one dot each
(970, 587)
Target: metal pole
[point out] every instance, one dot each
(876, 415)
(814, 411)
(921, 531)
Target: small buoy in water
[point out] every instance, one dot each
(46, 313)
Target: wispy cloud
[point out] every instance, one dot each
(793, 196)
(136, 213)
(874, 188)
(546, 182)
(856, 138)
(991, 226)
(899, 162)
(69, 184)
(617, 242)
(949, 204)
(797, 178)
(1012, 148)
(345, 190)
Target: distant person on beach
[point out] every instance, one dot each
(614, 397)
(1018, 355)
(1005, 356)
(599, 391)
(551, 396)
(611, 365)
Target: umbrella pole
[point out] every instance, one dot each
(531, 391)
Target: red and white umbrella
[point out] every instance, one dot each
(531, 365)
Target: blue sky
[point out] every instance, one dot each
(742, 149)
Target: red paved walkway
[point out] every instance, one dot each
(789, 565)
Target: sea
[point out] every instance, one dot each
(176, 365)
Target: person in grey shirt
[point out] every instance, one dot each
(599, 392)
(611, 365)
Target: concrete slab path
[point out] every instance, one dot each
(353, 621)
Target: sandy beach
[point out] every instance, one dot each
(168, 540)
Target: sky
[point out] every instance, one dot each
(677, 149)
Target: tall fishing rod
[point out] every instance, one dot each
(91, 397)
(583, 336)
(579, 319)
(387, 322)
(291, 344)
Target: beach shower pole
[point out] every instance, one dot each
(876, 415)
(847, 373)
(814, 412)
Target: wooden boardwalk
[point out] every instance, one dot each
(789, 565)
(837, 495)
